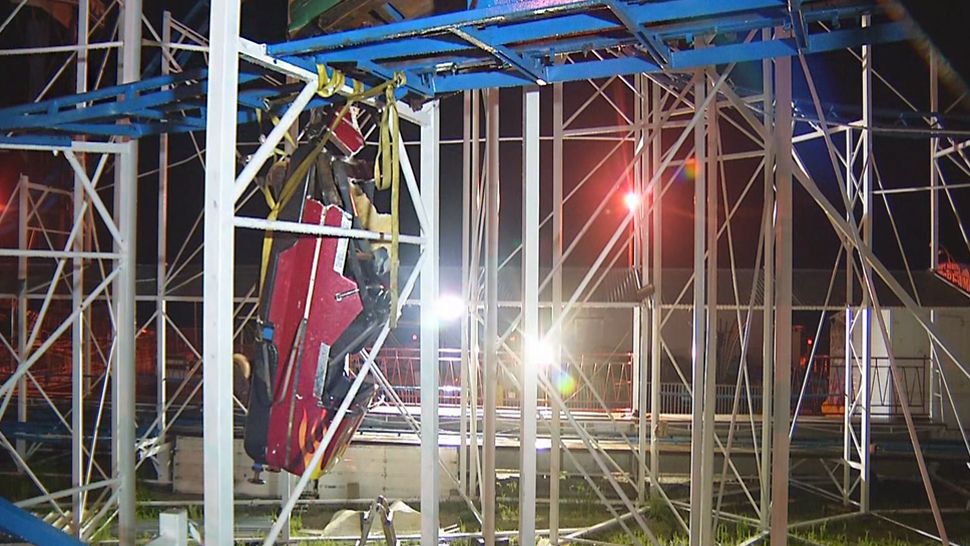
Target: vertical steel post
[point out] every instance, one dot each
(23, 242)
(848, 444)
(656, 311)
(78, 347)
(466, 320)
(698, 518)
(491, 316)
(78, 359)
(934, 391)
(217, 284)
(123, 372)
(783, 303)
(867, 211)
(638, 398)
(641, 315)
(767, 327)
(555, 456)
(473, 291)
(430, 474)
(123, 378)
(710, 369)
(530, 316)
(163, 459)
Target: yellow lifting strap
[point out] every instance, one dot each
(387, 166)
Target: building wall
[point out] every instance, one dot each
(954, 328)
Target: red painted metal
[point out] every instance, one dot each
(308, 286)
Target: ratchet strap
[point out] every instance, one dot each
(386, 165)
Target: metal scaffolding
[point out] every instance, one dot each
(674, 107)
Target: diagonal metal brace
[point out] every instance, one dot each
(654, 47)
(503, 53)
(798, 24)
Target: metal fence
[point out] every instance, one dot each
(593, 381)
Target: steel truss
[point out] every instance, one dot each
(683, 102)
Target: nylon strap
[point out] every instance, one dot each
(386, 165)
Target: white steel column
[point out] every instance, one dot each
(430, 474)
(464, 416)
(78, 346)
(656, 310)
(641, 256)
(934, 391)
(848, 443)
(710, 361)
(865, 383)
(78, 359)
(491, 316)
(555, 456)
(163, 458)
(698, 518)
(123, 372)
(474, 297)
(23, 215)
(123, 378)
(767, 334)
(217, 284)
(530, 316)
(783, 302)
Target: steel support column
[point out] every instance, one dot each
(699, 489)
(555, 456)
(710, 361)
(530, 316)
(656, 308)
(23, 281)
(767, 334)
(78, 346)
(491, 315)
(474, 486)
(78, 337)
(935, 409)
(217, 286)
(641, 257)
(467, 230)
(868, 170)
(781, 414)
(123, 378)
(163, 457)
(78, 360)
(430, 474)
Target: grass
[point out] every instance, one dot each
(581, 507)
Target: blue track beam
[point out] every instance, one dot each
(29, 528)
(508, 44)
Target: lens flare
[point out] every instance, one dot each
(565, 383)
(689, 172)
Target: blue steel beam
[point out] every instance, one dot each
(648, 41)
(519, 62)
(680, 60)
(29, 528)
(512, 44)
(515, 43)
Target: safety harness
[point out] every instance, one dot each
(387, 167)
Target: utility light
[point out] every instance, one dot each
(632, 201)
(542, 354)
(449, 308)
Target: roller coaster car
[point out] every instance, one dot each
(323, 299)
